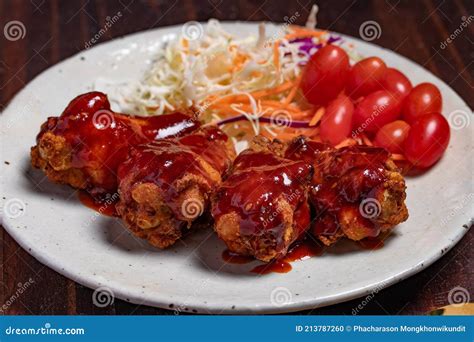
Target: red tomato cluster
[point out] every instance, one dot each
(376, 100)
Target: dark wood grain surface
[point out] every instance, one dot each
(57, 29)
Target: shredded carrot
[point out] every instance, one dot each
(317, 116)
(282, 97)
(299, 32)
(266, 107)
(275, 90)
(279, 104)
(272, 103)
(303, 116)
(346, 142)
(248, 107)
(285, 135)
(297, 28)
(293, 91)
(366, 140)
(256, 73)
(238, 62)
(397, 156)
(312, 132)
(256, 94)
(276, 56)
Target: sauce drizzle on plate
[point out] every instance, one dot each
(105, 206)
(300, 251)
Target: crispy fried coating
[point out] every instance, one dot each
(165, 186)
(378, 210)
(264, 246)
(85, 144)
(357, 192)
(167, 169)
(261, 208)
(149, 217)
(53, 155)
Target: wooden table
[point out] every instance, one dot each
(58, 29)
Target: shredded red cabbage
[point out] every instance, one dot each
(308, 47)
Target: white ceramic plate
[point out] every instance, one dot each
(97, 251)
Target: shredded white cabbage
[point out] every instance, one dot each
(187, 71)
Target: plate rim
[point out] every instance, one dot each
(161, 301)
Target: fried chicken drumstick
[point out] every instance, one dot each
(357, 191)
(165, 185)
(262, 207)
(84, 146)
(164, 167)
(168, 168)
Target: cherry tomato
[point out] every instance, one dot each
(325, 75)
(397, 83)
(336, 123)
(365, 77)
(425, 98)
(376, 110)
(392, 136)
(427, 140)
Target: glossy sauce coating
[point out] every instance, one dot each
(342, 178)
(301, 250)
(104, 206)
(276, 266)
(100, 138)
(209, 143)
(163, 162)
(258, 181)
